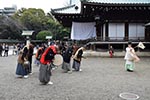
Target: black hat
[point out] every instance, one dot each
(129, 42)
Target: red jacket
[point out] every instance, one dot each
(43, 60)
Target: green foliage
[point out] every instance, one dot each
(63, 32)
(31, 19)
(42, 35)
(10, 28)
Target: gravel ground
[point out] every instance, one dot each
(101, 79)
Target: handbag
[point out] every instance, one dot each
(26, 64)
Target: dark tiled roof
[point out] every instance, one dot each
(64, 8)
(72, 8)
(69, 9)
(120, 1)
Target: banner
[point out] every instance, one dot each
(83, 31)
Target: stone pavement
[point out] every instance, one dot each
(101, 79)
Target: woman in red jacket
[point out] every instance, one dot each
(45, 67)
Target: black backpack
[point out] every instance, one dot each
(79, 55)
(50, 55)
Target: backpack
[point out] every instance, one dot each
(50, 55)
(79, 55)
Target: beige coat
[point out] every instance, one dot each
(75, 56)
(19, 59)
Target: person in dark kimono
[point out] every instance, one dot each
(30, 54)
(46, 65)
(20, 70)
(62, 49)
(38, 55)
(25, 55)
(67, 58)
(77, 59)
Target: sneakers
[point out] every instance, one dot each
(26, 76)
(50, 83)
(19, 76)
(129, 70)
(69, 72)
(30, 73)
(80, 70)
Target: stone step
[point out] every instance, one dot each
(90, 53)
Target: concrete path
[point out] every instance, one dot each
(101, 79)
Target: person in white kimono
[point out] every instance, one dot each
(130, 58)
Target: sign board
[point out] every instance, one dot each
(48, 37)
(27, 33)
(66, 37)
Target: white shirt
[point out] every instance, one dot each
(129, 55)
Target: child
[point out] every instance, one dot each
(111, 51)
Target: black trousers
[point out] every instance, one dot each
(30, 67)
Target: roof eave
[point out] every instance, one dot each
(125, 4)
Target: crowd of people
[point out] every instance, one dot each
(4, 48)
(44, 58)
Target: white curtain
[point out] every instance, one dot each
(83, 31)
(136, 30)
(116, 31)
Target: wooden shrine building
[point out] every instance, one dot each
(114, 22)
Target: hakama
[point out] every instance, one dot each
(76, 65)
(129, 65)
(66, 66)
(21, 70)
(44, 73)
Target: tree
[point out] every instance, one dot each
(10, 28)
(63, 32)
(42, 35)
(37, 20)
(32, 19)
(57, 30)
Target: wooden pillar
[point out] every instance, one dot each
(102, 33)
(98, 30)
(106, 31)
(124, 46)
(126, 38)
(147, 33)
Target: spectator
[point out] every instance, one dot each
(1, 50)
(111, 51)
(6, 50)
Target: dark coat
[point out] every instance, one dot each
(67, 55)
